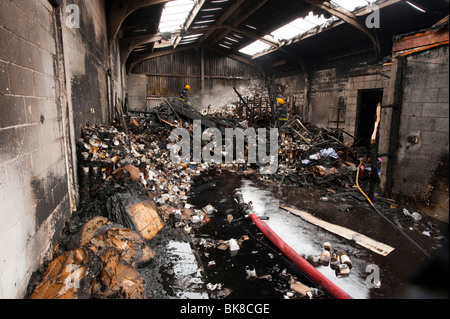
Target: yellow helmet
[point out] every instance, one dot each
(188, 87)
(281, 101)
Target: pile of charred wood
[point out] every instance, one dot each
(129, 191)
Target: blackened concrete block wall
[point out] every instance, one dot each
(425, 115)
(86, 62)
(34, 201)
(40, 119)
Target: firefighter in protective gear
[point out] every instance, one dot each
(184, 94)
(282, 112)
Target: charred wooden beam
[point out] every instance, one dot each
(359, 13)
(223, 19)
(347, 17)
(147, 56)
(119, 10)
(128, 45)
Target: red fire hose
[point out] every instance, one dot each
(304, 265)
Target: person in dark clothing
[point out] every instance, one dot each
(184, 94)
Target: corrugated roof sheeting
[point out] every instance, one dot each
(229, 31)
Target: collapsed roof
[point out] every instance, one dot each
(266, 32)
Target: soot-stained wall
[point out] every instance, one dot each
(52, 81)
(424, 128)
(34, 200)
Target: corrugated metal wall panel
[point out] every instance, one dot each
(223, 66)
(187, 63)
(167, 75)
(171, 86)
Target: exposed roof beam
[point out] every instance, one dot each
(139, 58)
(119, 10)
(273, 28)
(222, 19)
(128, 45)
(254, 36)
(347, 17)
(237, 58)
(236, 23)
(147, 56)
(190, 19)
(358, 13)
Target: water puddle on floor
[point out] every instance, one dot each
(273, 270)
(187, 278)
(306, 239)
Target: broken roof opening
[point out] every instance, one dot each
(301, 25)
(286, 32)
(297, 27)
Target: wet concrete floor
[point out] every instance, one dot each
(260, 271)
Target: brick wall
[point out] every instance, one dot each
(51, 83)
(34, 201)
(420, 40)
(86, 63)
(425, 115)
(328, 87)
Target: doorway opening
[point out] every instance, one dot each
(367, 112)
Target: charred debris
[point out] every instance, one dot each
(134, 199)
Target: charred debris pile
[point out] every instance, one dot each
(134, 199)
(129, 193)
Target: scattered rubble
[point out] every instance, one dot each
(340, 262)
(130, 191)
(102, 267)
(315, 157)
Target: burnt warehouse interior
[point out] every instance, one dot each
(224, 149)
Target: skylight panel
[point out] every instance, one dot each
(224, 46)
(290, 30)
(193, 36)
(315, 19)
(175, 14)
(297, 27)
(211, 9)
(255, 47)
